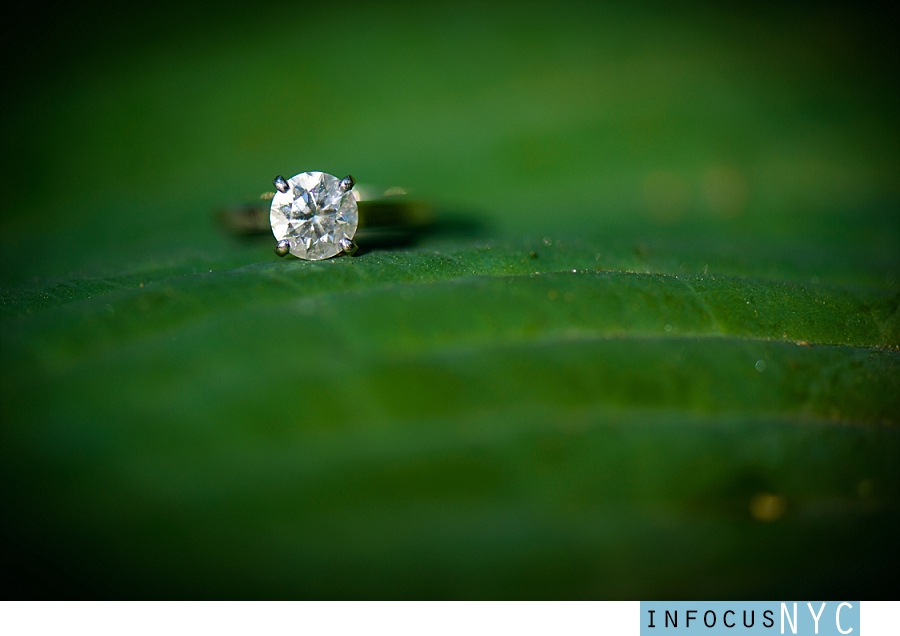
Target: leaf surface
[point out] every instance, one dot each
(651, 352)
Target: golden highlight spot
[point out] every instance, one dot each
(765, 506)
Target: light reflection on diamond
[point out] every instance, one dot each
(314, 215)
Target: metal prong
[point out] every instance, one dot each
(280, 184)
(347, 183)
(348, 246)
(283, 247)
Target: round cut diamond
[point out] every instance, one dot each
(314, 214)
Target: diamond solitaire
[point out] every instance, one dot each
(314, 215)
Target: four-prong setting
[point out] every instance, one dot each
(347, 183)
(348, 247)
(283, 247)
(314, 215)
(280, 184)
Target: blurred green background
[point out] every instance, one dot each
(654, 356)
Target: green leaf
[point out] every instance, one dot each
(658, 357)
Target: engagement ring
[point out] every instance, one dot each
(315, 216)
